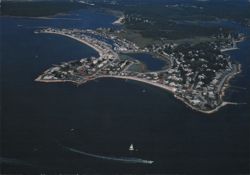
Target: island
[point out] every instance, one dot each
(196, 74)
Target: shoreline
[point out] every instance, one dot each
(50, 17)
(80, 40)
(119, 21)
(226, 83)
(222, 86)
(229, 49)
(164, 87)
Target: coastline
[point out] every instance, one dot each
(51, 17)
(38, 79)
(229, 49)
(222, 86)
(119, 21)
(80, 40)
(227, 80)
(164, 87)
(170, 89)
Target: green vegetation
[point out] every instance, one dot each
(162, 22)
(136, 67)
(136, 37)
(180, 20)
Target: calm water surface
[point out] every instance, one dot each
(105, 116)
(152, 63)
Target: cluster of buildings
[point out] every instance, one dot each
(80, 71)
(131, 18)
(227, 41)
(84, 67)
(119, 44)
(196, 75)
(197, 72)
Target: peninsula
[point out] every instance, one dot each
(198, 74)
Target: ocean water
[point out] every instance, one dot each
(105, 116)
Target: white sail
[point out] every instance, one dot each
(131, 148)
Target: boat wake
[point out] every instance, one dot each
(118, 159)
(4, 160)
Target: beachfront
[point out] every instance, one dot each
(109, 65)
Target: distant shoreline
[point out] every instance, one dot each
(42, 17)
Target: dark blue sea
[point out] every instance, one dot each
(105, 116)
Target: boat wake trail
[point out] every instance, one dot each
(118, 159)
(4, 160)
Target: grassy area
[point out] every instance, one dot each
(137, 68)
(180, 21)
(195, 40)
(140, 67)
(136, 37)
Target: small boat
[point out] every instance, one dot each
(131, 147)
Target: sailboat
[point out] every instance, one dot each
(131, 147)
